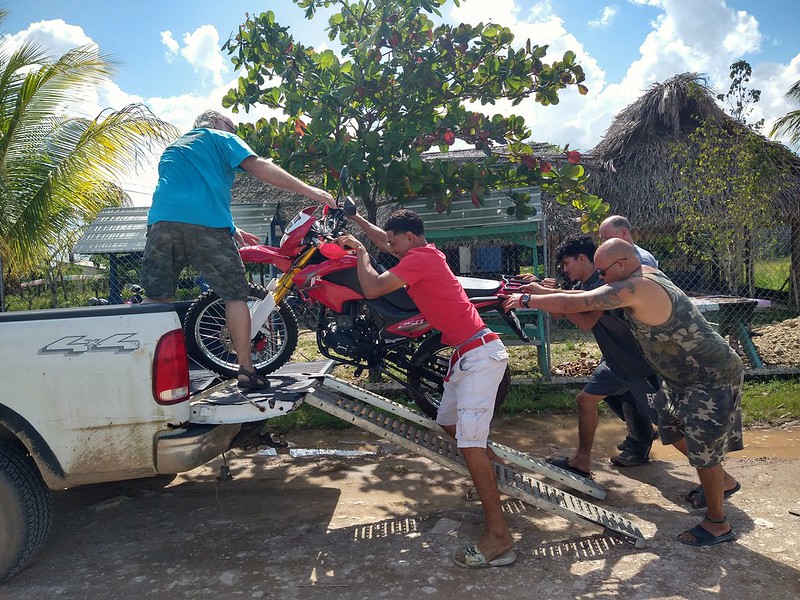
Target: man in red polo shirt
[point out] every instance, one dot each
(469, 392)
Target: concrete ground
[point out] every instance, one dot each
(386, 526)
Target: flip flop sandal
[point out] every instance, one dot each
(255, 381)
(563, 463)
(697, 498)
(473, 558)
(703, 537)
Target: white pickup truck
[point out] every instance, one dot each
(103, 394)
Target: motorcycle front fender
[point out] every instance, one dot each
(266, 255)
(259, 312)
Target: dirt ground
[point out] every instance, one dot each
(385, 526)
(778, 344)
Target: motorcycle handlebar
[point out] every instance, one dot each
(349, 207)
(510, 317)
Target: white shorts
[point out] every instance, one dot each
(470, 392)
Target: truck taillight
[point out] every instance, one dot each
(171, 369)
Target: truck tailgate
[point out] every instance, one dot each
(225, 403)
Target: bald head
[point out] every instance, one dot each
(616, 259)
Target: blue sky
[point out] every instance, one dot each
(169, 56)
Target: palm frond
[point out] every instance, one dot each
(790, 122)
(66, 177)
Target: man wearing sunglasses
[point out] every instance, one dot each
(699, 404)
(624, 379)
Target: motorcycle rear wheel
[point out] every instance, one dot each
(208, 341)
(432, 362)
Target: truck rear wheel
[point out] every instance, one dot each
(26, 510)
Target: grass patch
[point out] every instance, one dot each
(764, 403)
(770, 402)
(539, 398)
(772, 274)
(306, 417)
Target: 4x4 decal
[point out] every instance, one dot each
(78, 344)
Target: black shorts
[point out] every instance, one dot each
(605, 382)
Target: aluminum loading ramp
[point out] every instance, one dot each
(359, 407)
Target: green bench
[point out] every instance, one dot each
(489, 225)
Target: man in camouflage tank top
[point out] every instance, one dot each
(699, 404)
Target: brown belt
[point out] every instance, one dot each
(470, 345)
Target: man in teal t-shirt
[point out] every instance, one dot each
(190, 223)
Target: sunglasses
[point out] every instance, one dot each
(602, 272)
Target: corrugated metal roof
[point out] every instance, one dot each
(493, 212)
(123, 230)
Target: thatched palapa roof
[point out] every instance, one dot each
(632, 166)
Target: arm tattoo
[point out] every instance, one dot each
(609, 296)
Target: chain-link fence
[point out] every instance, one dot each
(746, 296)
(756, 314)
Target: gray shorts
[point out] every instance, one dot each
(606, 382)
(172, 246)
(709, 417)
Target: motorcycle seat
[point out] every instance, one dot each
(474, 286)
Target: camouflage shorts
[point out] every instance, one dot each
(172, 246)
(709, 417)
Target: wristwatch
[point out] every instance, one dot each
(524, 299)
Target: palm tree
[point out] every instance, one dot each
(58, 171)
(790, 122)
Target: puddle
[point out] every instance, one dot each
(542, 434)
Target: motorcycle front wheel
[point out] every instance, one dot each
(431, 364)
(208, 341)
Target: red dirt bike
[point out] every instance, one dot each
(387, 334)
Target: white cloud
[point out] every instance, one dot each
(55, 37)
(604, 19)
(774, 80)
(569, 122)
(173, 48)
(657, 3)
(201, 49)
(476, 12)
(703, 36)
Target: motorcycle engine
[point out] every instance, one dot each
(349, 336)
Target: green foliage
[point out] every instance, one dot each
(727, 183)
(57, 171)
(399, 86)
(727, 178)
(739, 97)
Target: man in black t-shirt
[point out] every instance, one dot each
(624, 379)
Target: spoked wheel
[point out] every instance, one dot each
(307, 311)
(431, 364)
(209, 343)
